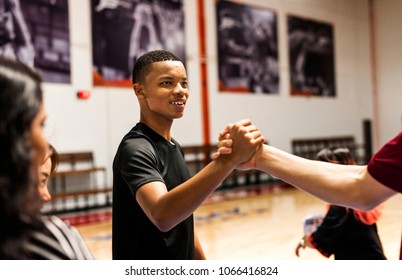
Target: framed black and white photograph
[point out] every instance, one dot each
(311, 57)
(123, 30)
(247, 48)
(36, 32)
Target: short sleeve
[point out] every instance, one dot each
(139, 164)
(386, 165)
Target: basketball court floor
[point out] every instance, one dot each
(249, 224)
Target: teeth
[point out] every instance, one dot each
(178, 102)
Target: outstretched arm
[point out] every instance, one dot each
(346, 185)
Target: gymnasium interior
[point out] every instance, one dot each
(343, 90)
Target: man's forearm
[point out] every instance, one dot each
(334, 183)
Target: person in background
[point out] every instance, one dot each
(346, 233)
(46, 169)
(24, 232)
(153, 195)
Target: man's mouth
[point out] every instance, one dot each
(180, 102)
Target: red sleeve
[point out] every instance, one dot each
(386, 165)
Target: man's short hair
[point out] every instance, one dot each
(143, 65)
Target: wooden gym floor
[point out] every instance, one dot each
(254, 224)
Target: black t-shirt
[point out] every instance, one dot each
(144, 156)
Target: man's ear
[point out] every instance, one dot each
(138, 90)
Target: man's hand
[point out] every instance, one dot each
(240, 140)
(225, 143)
(300, 245)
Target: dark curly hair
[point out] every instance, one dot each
(20, 101)
(143, 65)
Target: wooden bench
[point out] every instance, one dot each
(309, 147)
(75, 196)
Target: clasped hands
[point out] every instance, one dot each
(241, 140)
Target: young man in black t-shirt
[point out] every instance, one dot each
(153, 195)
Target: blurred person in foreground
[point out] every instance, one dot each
(24, 232)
